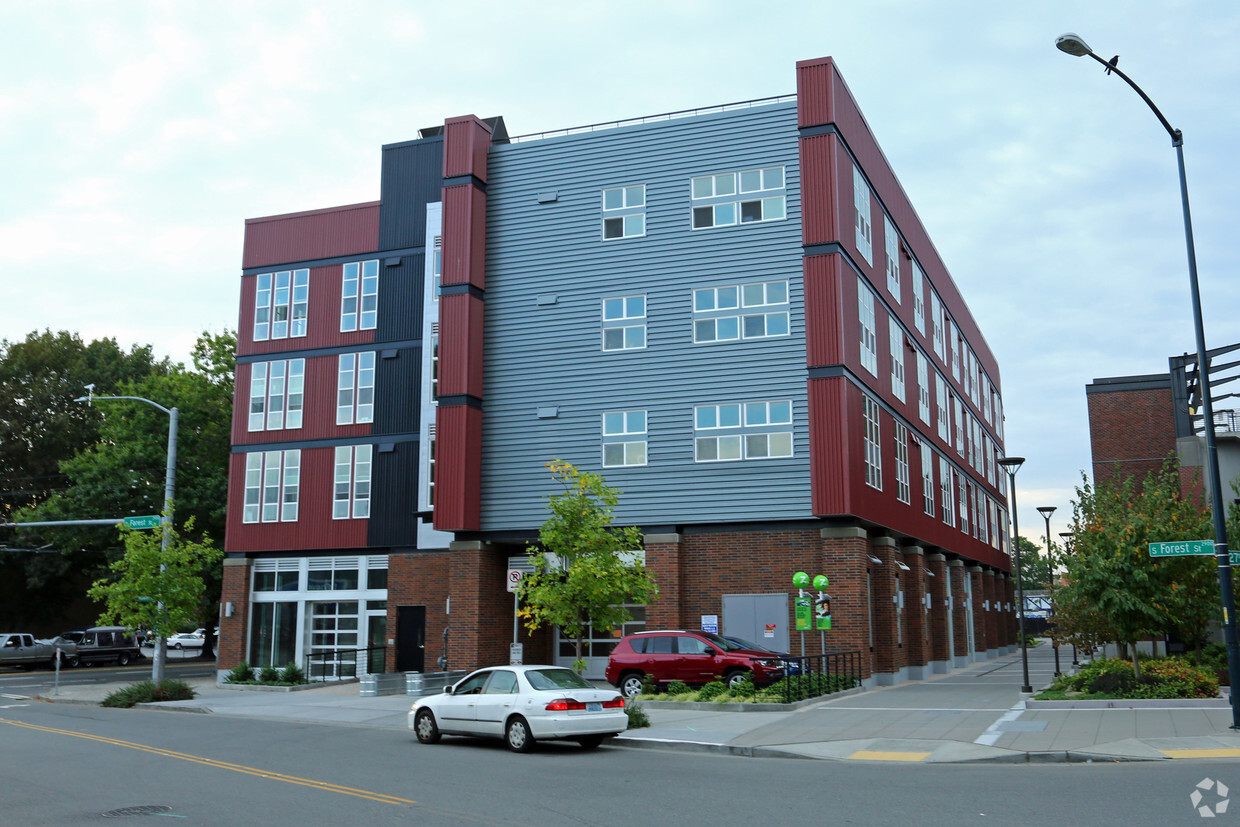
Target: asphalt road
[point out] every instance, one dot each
(19, 682)
(78, 762)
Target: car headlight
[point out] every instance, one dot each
(769, 664)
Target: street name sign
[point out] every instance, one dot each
(1182, 548)
(142, 522)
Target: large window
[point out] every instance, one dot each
(919, 299)
(923, 387)
(758, 310)
(869, 328)
(947, 497)
(737, 431)
(351, 487)
(277, 393)
(896, 340)
(624, 438)
(281, 304)
(903, 490)
(943, 408)
(892, 243)
(936, 319)
(624, 211)
(359, 296)
(744, 197)
(272, 482)
(873, 453)
(624, 323)
(927, 479)
(355, 388)
(861, 203)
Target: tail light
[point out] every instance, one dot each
(615, 703)
(564, 704)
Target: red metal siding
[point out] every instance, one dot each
(458, 463)
(466, 141)
(820, 205)
(464, 236)
(460, 345)
(303, 236)
(318, 409)
(815, 84)
(824, 310)
(314, 528)
(829, 446)
(322, 319)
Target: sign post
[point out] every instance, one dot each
(515, 652)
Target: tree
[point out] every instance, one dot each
(1110, 570)
(157, 588)
(1033, 570)
(584, 568)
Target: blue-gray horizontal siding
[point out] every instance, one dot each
(543, 354)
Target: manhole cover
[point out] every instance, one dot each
(139, 810)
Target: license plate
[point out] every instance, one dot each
(594, 707)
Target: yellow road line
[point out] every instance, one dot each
(875, 755)
(223, 765)
(1221, 752)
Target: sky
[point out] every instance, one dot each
(136, 138)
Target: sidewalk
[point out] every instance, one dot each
(976, 714)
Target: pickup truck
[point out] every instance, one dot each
(24, 650)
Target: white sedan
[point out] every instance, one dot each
(185, 640)
(521, 704)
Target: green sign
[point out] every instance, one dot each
(800, 579)
(805, 614)
(142, 522)
(823, 622)
(821, 582)
(1182, 548)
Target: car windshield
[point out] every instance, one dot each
(748, 644)
(556, 679)
(722, 642)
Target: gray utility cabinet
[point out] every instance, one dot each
(748, 615)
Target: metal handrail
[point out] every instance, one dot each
(819, 675)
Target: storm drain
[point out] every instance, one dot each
(139, 810)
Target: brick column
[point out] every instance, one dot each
(974, 573)
(916, 615)
(994, 610)
(420, 580)
(663, 560)
(888, 657)
(936, 619)
(960, 634)
(480, 620)
(232, 645)
(845, 560)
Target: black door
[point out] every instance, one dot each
(410, 638)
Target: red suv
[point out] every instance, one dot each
(691, 657)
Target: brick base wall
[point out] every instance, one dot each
(233, 635)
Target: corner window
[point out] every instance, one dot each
(624, 212)
(903, 490)
(861, 205)
(919, 299)
(359, 296)
(624, 438)
(936, 318)
(281, 304)
(624, 323)
(873, 453)
(896, 339)
(869, 332)
(744, 197)
(740, 311)
(892, 241)
(927, 479)
(923, 387)
(946, 495)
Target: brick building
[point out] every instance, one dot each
(734, 314)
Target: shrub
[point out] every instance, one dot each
(678, 688)
(711, 691)
(241, 673)
(269, 674)
(293, 674)
(1174, 677)
(147, 692)
(1191, 681)
(637, 716)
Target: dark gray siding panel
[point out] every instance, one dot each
(394, 480)
(398, 383)
(541, 354)
(412, 177)
(400, 299)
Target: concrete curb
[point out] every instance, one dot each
(1132, 703)
(708, 706)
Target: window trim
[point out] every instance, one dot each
(622, 213)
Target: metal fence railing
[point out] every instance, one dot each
(341, 664)
(815, 675)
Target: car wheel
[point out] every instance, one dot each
(71, 661)
(122, 659)
(517, 734)
(176, 646)
(735, 678)
(590, 741)
(425, 728)
(631, 684)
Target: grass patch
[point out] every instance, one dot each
(147, 692)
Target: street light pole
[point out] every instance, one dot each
(1074, 45)
(1012, 465)
(165, 520)
(1046, 511)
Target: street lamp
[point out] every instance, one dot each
(1074, 45)
(1067, 541)
(1012, 465)
(165, 520)
(1046, 511)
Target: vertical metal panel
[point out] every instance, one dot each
(458, 446)
(820, 223)
(831, 451)
(460, 345)
(464, 235)
(398, 394)
(826, 307)
(466, 141)
(394, 483)
(815, 83)
(412, 177)
(303, 236)
(400, 300)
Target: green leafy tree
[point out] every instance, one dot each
(594, 569)
(1110, 570)
(1033, 571)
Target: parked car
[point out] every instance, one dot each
(522, 705)
(691, 657)
(100, 644)
(185, 640)
(793, 666)
(25, 650)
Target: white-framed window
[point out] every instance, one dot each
(927, 479)
(923, 387)
(896, 339)
(861, 203)
(954, 338)
(936, 319)
(359, 296)
(943, 408)
(757, 310)
(903, 490)
(624, 323)
(919, 299)
(964, 502)
(959, 422)
(970, 371)
(947, 497)
(736, 431)
(436, 267)
(989, 459)
(891, 241)
(999, 415)
(435, 363)
(869, 327)
(624, 211)
(743, 197)
(277, 394)
(272, 483)
(624, 438)
(281, 304)
(355, 388)
(873, 451)
(971, 440)
(351, 483)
